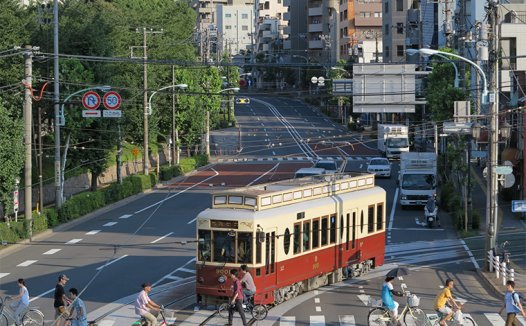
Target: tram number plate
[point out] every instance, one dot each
(224, 224)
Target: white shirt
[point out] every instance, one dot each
(249, 282)
(141, 304)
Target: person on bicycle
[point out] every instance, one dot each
(21, 301)
(387, 296)
(512, 304)
(236, 302)
(444, 301)
(249, 288)
(77, 305)
(145, 307)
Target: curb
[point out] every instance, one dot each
(494, 288)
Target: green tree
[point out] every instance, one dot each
(11, 155)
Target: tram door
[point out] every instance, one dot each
(270, 255)
(344, 237)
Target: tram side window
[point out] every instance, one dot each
(286, 241)
(333, 228)
(341, 227)
(258, 251)
(315, 234)
(224, 247)
(267, 253)
(370, 219)
(297, 238)
(272, 251)
(306, 236)
(244, 248)
(379, 217)
(205, 243)
(324, 229)
(347, 232)
(353, 229)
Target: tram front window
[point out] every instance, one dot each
(244, 248)
(224, 247)
(204, 252)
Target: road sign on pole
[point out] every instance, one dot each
(15, 200)
(112, 100)
(91, 100)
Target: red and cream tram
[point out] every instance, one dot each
(294, 236)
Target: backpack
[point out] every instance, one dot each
(520, 297)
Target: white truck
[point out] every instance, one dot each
(393, 140)
(418, 178)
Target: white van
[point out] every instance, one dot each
(306, 172)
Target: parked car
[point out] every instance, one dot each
(330, 166)
(380, 167)
(307, 172)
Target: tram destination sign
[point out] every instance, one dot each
(224, 224)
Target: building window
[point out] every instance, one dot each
(378, 14)
(367, 14)
(341, 16)
(345, 14)
(386, 6)
(387, 53)
(228, 27)
(400, 28)
(399, 5)
(362, 14)
(400, 50)
(228, 15)
(244, 27)
(386, 29)
(244, 16)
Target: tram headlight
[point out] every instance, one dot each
(222, 279)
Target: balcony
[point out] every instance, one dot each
(316, 44)
(313, 28)
(315, 11)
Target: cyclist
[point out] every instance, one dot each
(387, 297)
(145, 307)
(249, 288)
(21, 301)
(444, 301)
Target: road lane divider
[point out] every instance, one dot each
(125, 216)
(92, 232)
(110, 224)
(161, 238)
(3, 274)
(73, 241)
(111, 262)
(27, 263)
(51, 252)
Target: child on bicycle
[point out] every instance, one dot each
(21, 301)
(387, 297)
(445, 296)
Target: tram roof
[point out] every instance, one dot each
(286, 192)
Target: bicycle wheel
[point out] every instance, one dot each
(259, 312)
(3, 320)
(33, 318)
(468, 321)
(378, 317)
(415, 317)
(223, 310)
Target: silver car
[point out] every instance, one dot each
(380, 167)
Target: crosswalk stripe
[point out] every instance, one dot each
(318, 320)
(287, 321)
(495, 319)
(347, 320)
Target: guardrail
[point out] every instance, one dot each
(500, 268)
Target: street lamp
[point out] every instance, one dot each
(61, 166)
(457, 76)
(174, 134)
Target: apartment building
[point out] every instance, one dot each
(270, 26)
(361, 30)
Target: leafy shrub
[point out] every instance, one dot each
(40, 222)
(14, 232)
(81, 204)
(51, 216)
(168, 172)
(153, 179)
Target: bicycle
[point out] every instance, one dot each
(31, 317)
(258, 311)
(144, 322)
(457, 319)
(503, 251)
(411, 314)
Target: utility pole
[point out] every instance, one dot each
(28, 103)
(492, 182)
(56, 103)
(40, 179)
(146, 158)
(175, 132)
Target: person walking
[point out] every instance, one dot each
(512, 304)
(61, 300)
(236, 302)
(387, 298)
(77, 305)
(444, 301)
(145, 307)
(249, 288)
(21, 301)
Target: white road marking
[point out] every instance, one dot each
(273, 153)
(173, 277)
(470, 254)
(182, 269)
(164, 236)
(3, 274)
(318, 309)
(111, 262)
(41, 295)
(106, 322)
(495, 319)
(72, 241)
(287, 321)
(317, 320)
(126, 216)
(92, 232)
(264, 174)
(416, 229)
(51, 251)
(27, 263)
(170, 274)
(316, 300)
(110, 224)
(347, 320)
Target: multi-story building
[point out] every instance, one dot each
(402, 29)
(235, 24)
(270, 27)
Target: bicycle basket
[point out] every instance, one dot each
(413, 301)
